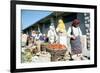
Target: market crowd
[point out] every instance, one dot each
(36, 45)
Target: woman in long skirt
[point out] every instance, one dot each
(74, 32)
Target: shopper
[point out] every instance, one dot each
(74, 32)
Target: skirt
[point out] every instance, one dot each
(76, 47)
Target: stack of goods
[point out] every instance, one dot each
(32, 55)
(56, 46)
(27, 56)
(28, 53)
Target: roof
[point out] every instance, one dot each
(30, 17)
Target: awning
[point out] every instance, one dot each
(30, 17)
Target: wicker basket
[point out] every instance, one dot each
(56, 53)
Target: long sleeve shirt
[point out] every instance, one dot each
(76, 31)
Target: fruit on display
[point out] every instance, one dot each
(56, 46)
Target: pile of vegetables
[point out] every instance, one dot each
(26, 56)
(56, 46)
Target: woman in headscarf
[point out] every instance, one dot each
(74, 32)
(62, 35)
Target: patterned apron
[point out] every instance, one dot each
(76, 47)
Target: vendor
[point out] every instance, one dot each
(74, 32)
(61, 31)
(51, 34)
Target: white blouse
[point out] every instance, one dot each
(76, 31)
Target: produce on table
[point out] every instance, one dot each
(27, 55)
(56, 46)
